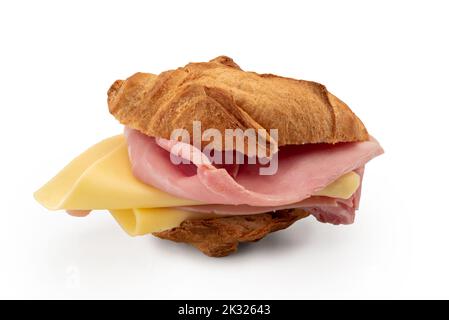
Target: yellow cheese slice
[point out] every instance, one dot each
(138, 222)
(342, 188)
(101, 178)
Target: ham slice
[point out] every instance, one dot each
(302, 171)
(325, 209)
(226, 209)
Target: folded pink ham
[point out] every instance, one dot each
(302, 171)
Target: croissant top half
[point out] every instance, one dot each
(223, 96)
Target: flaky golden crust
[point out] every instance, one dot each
(219, 237)
(222, 96)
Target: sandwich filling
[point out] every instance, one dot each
(132, 177)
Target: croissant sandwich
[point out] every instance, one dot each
(212, 156)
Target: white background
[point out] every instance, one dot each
(387, 59)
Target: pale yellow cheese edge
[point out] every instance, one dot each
(138, 222)
(342, 188)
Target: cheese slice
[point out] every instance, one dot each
(342, 188)
(101, 178)
(138, 222)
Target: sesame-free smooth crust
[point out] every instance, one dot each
(223, 96)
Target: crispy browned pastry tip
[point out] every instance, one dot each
(219, 237)
(221, 95)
